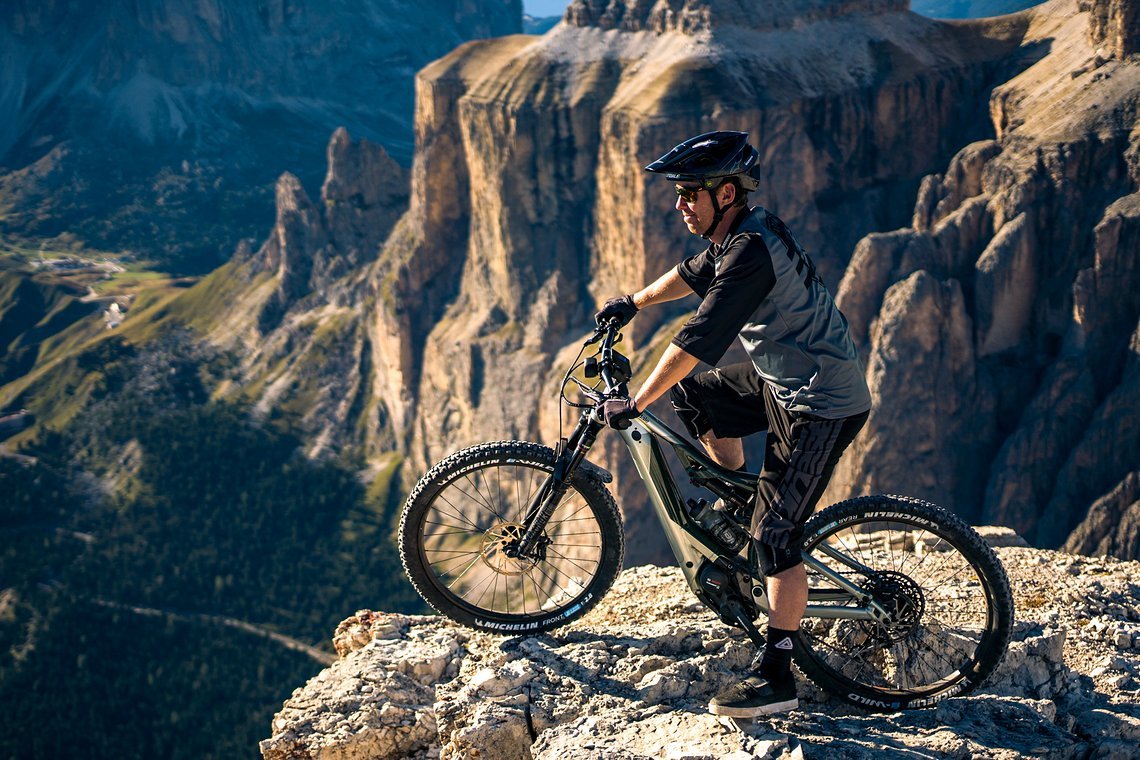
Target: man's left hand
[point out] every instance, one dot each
(617, 412)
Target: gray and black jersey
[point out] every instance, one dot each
(761, 286)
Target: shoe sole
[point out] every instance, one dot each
(753, 712)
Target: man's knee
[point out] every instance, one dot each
(773, 561)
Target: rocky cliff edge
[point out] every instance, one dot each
(632, 680)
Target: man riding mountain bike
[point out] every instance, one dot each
(803, 382)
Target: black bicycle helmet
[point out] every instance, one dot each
(710, 159)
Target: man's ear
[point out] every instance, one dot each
(727, 193)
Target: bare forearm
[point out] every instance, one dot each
(667, 287)
(673, 366)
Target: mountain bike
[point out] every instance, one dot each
(907, 604)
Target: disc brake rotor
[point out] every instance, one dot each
(496, 542)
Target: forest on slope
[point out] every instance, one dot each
(135, 538)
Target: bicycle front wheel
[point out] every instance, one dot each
(951, 610)
(462, 519)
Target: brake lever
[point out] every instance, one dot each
(599, 332)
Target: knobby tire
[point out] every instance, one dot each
(940, 572)
(462, 514)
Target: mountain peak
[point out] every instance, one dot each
(694, 16)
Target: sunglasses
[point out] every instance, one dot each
(688, 194)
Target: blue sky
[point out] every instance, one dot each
(543, 8)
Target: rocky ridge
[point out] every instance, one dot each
(1010, 306)
(297, 321)
(695, 16)
(632, 679)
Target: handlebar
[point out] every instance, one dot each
(606, 362)
(611, 366)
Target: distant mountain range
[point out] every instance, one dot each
(159, 126)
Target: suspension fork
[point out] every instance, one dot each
(569, 455)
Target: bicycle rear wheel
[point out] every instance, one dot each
(947, 590)
(461, 520)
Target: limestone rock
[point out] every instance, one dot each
(1006, 281)
(363, 194)
(1050, 290)
(1105, 450)
(1115, 24)
(1026, 466)
(295, 239)
(632, 680)
(922, 355)
(376, 701)
(1112, 525)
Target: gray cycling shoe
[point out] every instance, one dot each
(753, 697)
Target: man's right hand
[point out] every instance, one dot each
(622, 309)
(617, 412)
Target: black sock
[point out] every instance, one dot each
(776, 665)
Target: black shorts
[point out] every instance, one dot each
(800, 451)
(729, 401)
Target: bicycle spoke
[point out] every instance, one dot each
(553, 581)
(458, 513)
(473, 519)
(458, 562)
(481, 498)
(465, 571)
(572, 562)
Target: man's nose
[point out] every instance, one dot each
(679, 202)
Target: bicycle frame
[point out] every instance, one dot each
(691, 546)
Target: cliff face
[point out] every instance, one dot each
(529, 203)
(133, 123)
(295, 311)
(633, 679)
(999, 328)
(994, 328)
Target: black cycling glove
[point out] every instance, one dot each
(617, 412)
(622, 309)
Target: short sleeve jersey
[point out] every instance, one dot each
(759, 285)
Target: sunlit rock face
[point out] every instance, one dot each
(1016, 404)
(529, 203)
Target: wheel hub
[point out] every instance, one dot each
(903, 600)
(498, 549)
